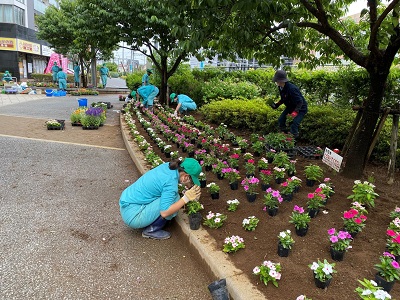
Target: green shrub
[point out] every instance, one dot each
(134, 80)
(230, 89)
(184, 82)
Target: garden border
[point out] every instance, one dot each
(238, 284)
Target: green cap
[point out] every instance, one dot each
(172, 97)
(150, 70)
(193, 168)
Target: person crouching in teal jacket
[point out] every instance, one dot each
(153, 199)
(62, 80)
(148, 93)
(185, 103)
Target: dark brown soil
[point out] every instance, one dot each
(261, 244)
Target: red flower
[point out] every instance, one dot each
(358, 221)
(391, 232)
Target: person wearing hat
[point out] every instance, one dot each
(104, 73)
(296, 105)
(147, 93)
(154, 198)
(62, 80)
(7, 76)
(185, 103)
(77, 71)
(54, 70)
(146, 77)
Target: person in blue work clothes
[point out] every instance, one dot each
(185, 103)
(296, 105)
(7, 77)
(146, 77)
(62, 80)
(104, 73)
(148, 93)
(77, 71)
(54, 70)
(153, 199)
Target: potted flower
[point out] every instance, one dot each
(214, 190)
(249, 167)
(55, 124)
(315, 202)
(354, 221)
(291, 167)
(395, 213)
(272, 199)
(217, 168)
(281, 159)
(247, 156)
(233, 161)
(233, 176)
(193, 209)
(92, 118)
(174, 154)
(233, 204)
(285, 243)
(279, 174)
(214, 220)
(296, 183)
(250, 186)
(202, 179)
(326, 190)
(189, 148)
(262, 164)
(167, 150)
(363, 192)
(250, 223)
(340, 243)
(313, 173)
(300, 220)
(233, 243)
(268, 271)
(209, 160)
(76, 116)
(258, 147)
(287, 190)
(388, 271)
(242, 143)
(266, 178)
(371, 291)
(322, 273)
(270, 155)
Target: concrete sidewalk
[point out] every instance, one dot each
(7, 99)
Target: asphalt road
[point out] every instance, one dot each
(61, 235)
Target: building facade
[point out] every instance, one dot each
(21, 53)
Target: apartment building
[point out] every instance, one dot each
(21, 52)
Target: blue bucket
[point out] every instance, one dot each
(82, 102)
(49, 93)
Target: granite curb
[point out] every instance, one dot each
(239, 286)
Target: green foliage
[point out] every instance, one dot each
(134, 80)
(229, 88)
(184, 82)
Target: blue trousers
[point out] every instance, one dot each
(104, 80)
(294, 127)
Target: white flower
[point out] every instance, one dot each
(382, 295)
(314, 266)
(327, 269)
(366, 292)
(256, 270)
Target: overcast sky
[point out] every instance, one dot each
(357, 7)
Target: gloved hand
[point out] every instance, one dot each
(294, 114)
(192, 194)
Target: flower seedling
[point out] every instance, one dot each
(193, 207)
(272, 198)
(371, 291)
(213, 188)
(299, 217)
(250, 185)
(389, 268)
(233, 204)
(340, 240)
(286, 239)
(250, 223)
(268, 271)
(363, 192)
(233, 243)
(214, 220)
(323, 270)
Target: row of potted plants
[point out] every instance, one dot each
(236, 241)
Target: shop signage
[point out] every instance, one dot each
(28, 47)
(8, 44)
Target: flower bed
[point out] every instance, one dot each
(261, 244)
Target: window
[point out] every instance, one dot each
(12, 14)
(21, 1)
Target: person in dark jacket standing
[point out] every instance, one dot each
(296, 105)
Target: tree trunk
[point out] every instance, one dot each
(356, 158)
(83, 78)
(164, 80)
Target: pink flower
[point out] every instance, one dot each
(331, 231)
(358, 221)
(318, 190)
(310, 195)
(395, 264)
(391, 232)
(334, 239)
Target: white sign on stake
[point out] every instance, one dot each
(332, 159)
